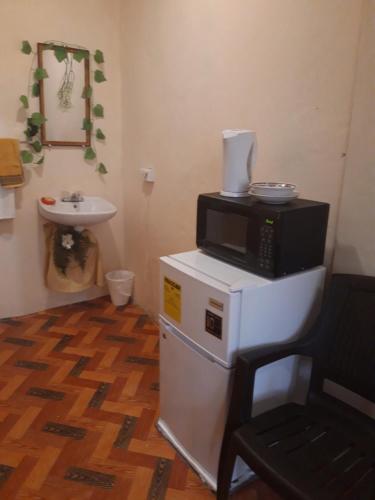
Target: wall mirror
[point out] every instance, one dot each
(61, 95)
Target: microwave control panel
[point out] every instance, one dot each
(265, 257)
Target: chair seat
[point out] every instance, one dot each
(313, 451)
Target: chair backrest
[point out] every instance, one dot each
(346, 333)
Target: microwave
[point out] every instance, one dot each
(269, 240)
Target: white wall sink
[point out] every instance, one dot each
(91, 210)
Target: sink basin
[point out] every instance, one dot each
(91, 210)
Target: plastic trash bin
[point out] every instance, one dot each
(120, 284)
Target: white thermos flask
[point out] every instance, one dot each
(239, 156)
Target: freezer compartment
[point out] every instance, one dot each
(223, 320)
(200, 307)
(194, 398)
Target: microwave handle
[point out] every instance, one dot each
(253, 154)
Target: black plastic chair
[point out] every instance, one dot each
(324, 449)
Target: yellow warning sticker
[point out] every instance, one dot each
(172, 299)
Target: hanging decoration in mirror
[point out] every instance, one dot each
(66, 88)
(60, 78)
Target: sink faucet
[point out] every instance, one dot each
(74, 197)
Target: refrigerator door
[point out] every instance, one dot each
(194, 399)
(193, 402)
(202, 308)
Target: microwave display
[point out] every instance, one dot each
(228, 230)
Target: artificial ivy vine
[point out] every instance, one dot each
(34, 154)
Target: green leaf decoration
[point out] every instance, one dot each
(102, 169)
(31, 130)
(99, 76)
(24, 100)
(40, 161)
(35, 91)
(99, 134)
(79, 55)
(26, 47)
(90, 154)
(40, 74)
(60, 53)
(87, 92)
(87, 124)
(99, 57)
(37, 147)
(27, 156)
(98, 111)
(37, 119)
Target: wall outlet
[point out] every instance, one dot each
(148, 174)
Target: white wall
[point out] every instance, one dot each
(93, 24)
(355, 246)
(192, 68)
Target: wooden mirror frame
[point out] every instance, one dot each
(41, 48)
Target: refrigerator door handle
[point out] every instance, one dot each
(164, 325)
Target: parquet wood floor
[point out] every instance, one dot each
(78, 405)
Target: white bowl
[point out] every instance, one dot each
(275, 199)
(274, 194)
(272, 188)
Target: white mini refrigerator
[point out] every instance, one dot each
(210, 311)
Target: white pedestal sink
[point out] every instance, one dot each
(91, 210)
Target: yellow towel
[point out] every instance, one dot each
(11, 171)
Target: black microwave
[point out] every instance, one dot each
(269, 240)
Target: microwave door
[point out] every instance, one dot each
(226, 235)
(230, 231)
(227, 229)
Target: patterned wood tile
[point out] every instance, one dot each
(90, 477)
(40, 392)
(126, 431)
(50, 322)
(141, 321)
(99, 396)
(60, 346)
(107, 321)
(64, 430)
(119, 338)
(11, 322)
(5, 472)
(79, 366)
(19, 341)
(78, 405)
(160, 479)
(141, 361)
(31, 365)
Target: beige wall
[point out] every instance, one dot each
(178, 73)
(94, 24)
(355, 247)
(192, 68)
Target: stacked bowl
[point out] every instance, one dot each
(275, 193)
